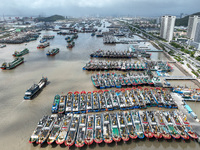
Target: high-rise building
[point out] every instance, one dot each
(192, 24)
(167, 27)
(197, 33)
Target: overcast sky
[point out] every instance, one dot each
(148, 8)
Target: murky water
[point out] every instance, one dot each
(64, 71)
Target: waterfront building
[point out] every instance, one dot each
(167, 27)
(197, 33)
(192, 24)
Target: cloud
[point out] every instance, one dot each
(102, 7)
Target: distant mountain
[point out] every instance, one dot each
(51, 18)
(184, 21)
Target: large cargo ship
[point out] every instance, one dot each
(13, 64)
(35, 88)
(21, 53)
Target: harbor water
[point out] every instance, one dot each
(19, 117)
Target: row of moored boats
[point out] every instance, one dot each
(119, 54)
(127, 65)
(109, 80)
(123, 99)
(85, 129)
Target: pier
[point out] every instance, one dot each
(180, 78)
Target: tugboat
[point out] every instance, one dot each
(81, 132)
(13, 64)
(98, 134)
(53, 52)
(107, 132)
(90, 130)
(93, 34)
(55, 105)
(115, 129)
(23, 52)
(31, 92)
(70, 138)
(70, 45)
(64, 129)
(34, 137)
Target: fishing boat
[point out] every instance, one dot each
(115, 99)
(83, 102)
(163, 128)
(46, 130)
(61, 108)
(138, 124)
(71, 136)
(170, 125)
(93, 34)
(81, 131)
(98, 134)
(55, 105)
(95, 81)
(64, 129)
(34, 137)
(107, 131)
(129, 124)
(55, 131)
(69, 103)
(102, 101)
(89, 102)
(17, 61)
(109, 104)
(41, 46)
(154, 126)
(21, 53)
(121, 97)
(179, 126)
(76, 100)
(96, 105)
(89, 136)
(147, 128)
(71, 45)
(53, 52)
(35, 88)
(123, 128)
(187, 127)
(115, 128)
(145, 98)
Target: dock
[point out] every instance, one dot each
(180, 78)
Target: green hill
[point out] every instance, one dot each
(184, 21)
(51, 18)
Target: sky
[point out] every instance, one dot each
(78, 8)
